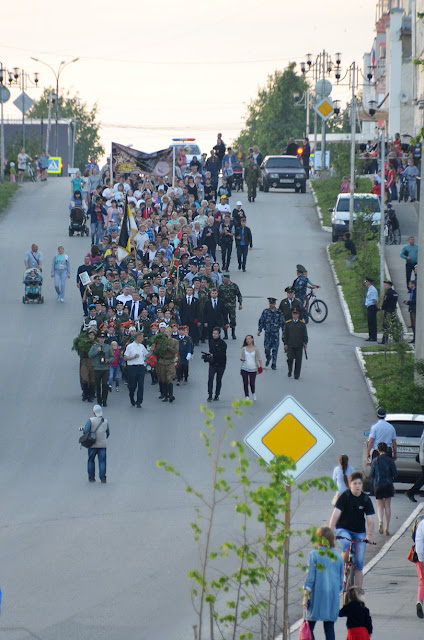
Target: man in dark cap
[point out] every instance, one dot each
(300, 284)
(288, 304)
(271, 321)
(388, 306)
(371, 303)
(229, 292)
(295, 338)
(101, 355)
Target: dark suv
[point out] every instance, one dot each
(282, 172)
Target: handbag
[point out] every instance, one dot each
(305, 632)
(88, 439)
(412, 555)
(260, 369)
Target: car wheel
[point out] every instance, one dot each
(71, 233)
(303, 188)
(266, 187)
(261, 188)
(296, 190)
(23, 299)
(334, 236)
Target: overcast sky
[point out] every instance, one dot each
(166, 69)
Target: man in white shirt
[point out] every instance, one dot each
(223, 207)
(125, 296)
(135, 357)
(142, 237)
(371, 303)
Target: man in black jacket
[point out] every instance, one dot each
(213, 313)
(217, 363)
(388, 306)
(189, 314)
(210, 236)
(243, 243)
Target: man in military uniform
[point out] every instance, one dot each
(388, 305)
(185, 347)
(90, 319)
(288, 304)
(300, 284)
(144, 322)
(271, 321)
(295, 338)
(251, 176)
(229, 293)
(121, 313)
(165, 365)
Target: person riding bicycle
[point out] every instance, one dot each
(352, 518)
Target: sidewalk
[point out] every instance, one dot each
(408, 220)
(390, 593)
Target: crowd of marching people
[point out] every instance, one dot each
(147, 312)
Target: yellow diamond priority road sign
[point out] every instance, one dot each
(289, 430)
(324, 108)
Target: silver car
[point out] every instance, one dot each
(409, 428)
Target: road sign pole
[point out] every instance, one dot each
(287, 518)
(2, 144)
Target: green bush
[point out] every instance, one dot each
(393, 379)
(7, 189)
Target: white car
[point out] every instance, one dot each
(366, 204)
(190, 149)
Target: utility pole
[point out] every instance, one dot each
(352, 145)
(382, 195)
(419, 327)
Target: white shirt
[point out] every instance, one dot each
(382, 431)
(134, 348)
(140, 239)
(371, 296)
(338, 477)
(123, 298)
(224, 208)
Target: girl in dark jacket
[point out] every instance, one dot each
(384, 471)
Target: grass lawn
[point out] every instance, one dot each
(352, 282)
(327, 191)
(7, 189)
(395, 389)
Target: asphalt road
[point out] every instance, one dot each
(110, 561)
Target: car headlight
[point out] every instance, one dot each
(339, 221)
(299, 175)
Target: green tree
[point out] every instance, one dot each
(87, 139)
(273, 117)
(243, 578)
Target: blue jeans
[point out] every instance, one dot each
(328, 629)
(97, 232)
(114, 374)
(92, 453)
(358, 558)
(60, 282)
(242, 251)
(136, 381)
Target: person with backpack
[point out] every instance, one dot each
(383, 472)
(100, 427)
(417, 535)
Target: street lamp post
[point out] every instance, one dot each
(61, 67)
(25, 81)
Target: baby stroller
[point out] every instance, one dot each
(237, 177)
(77, 223)
(33, 280)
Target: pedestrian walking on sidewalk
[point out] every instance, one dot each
(322, 587)
(383, 472)
(358, 623)
(61, 270)
(341, 475)
(409, 253)
(100, 426)
(418, 538)
(371, 303)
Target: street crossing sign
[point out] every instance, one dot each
(324, 108)
(23, 102)
(55, 165)
(289, 430)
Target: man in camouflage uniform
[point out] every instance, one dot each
(165, 365)
(251, 176)
(271, 321)
(300, 284)
(295, 338)
(229, 294)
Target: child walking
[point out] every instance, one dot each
(12, 171)
(358, 623)
(114, 368)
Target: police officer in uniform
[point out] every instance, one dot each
(388, 305)
(288, 304)
(271, 321)
(229, 293)
(295, 338)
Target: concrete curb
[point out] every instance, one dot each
(340, 293)
(319, 212)
(361, 361)
(371, 564)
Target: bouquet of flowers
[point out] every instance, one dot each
(150, 362)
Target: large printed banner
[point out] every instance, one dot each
(126, 159)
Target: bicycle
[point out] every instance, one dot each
(349, 565)
(391, 235)
(31, 173)
(316, 310)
